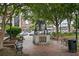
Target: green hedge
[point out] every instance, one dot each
(14, 31)
(59, 33)
(68, 34)
(63, 34)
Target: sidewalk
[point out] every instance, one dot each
(54, 49)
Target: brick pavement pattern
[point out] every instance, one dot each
(55, 48)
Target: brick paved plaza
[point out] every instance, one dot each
(55, 48)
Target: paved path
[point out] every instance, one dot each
(55, 48)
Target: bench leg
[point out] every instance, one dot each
(19, 52)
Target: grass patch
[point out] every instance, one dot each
(70, 36)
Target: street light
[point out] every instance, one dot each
(76, 14)
(72, 44)
(9, 15)
(10, 29)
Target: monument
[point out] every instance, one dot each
(41, 33)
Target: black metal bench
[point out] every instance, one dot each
(19, 47)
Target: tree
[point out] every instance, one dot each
(69, 9)
(56, 14)
(3, 13)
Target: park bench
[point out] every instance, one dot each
(10, 43)
(19, 47)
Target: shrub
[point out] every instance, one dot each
(68, 34)
(49, 33)
(7, 27)
(55, 34)
(14, 31)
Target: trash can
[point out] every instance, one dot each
(72, 46)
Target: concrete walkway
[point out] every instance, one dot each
(55, 48)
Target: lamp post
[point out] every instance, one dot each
(72, 44)
(10, 24)
(10, 28)
(76, 14)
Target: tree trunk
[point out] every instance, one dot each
(10, 27)
(3, 26)
(3, 33)
(57, 29)
(56, 25)
(1, 39)
(60, 27)
(69, 22)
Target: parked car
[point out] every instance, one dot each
(24, 33)
(31, 33)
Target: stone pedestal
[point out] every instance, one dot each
(41, 39)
